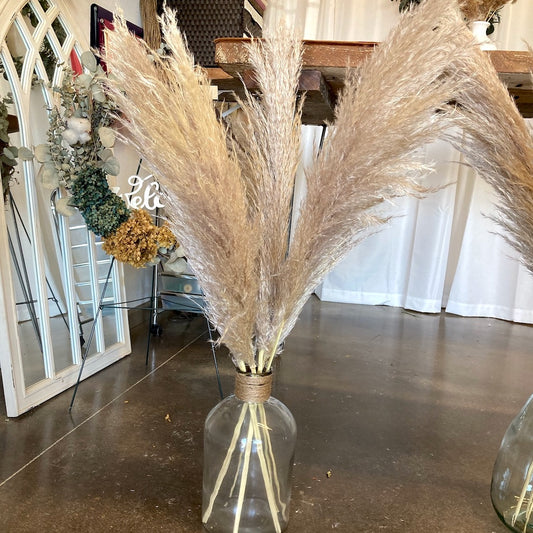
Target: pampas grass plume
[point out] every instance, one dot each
(230, 204)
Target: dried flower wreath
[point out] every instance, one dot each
(78, 157)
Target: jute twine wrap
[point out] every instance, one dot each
(255, 388)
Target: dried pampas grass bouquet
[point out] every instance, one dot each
(230, 208)
(230, 204)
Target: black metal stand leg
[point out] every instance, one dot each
(148, 340)
(26, 289)
(215, 359)
(91, 335)
(56, 224)
(17, 217)
(153, 327)
(84, 357)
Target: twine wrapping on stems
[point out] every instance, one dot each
(254, 388)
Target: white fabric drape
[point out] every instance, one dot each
(440, 252)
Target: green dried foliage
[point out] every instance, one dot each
(105, 218)
(102, 209)
(90, 188)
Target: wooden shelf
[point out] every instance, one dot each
(324, 70)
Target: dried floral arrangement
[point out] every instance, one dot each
(231, 207)
(137, 241)
(78, 157)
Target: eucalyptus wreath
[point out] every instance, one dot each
(78, 157)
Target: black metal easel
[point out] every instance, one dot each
(127, 305)
(153, 327)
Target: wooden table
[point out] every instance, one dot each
(324, 69)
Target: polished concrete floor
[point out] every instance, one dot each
(405, 410)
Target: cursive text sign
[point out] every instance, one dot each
(143, 195)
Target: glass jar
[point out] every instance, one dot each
(249, 442)
(512, 477)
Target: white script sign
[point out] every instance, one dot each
(142, 195)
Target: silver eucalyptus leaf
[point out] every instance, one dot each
(10, 153)
(89, 61)
(107, 136)
(63, 207)
(49, 177)
(84, 80)
(42, 153)
(112, 166)
(25, 154)
(98, 95)
(105, 154)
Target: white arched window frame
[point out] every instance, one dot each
(79, 281)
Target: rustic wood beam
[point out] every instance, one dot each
(326, 63)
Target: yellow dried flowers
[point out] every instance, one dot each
(138, 241)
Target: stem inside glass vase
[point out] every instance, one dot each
(249, 445)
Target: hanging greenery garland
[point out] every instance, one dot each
(77, 158)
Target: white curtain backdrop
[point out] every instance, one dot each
(440, 252)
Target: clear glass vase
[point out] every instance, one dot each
(249, 442)
(512, 477)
